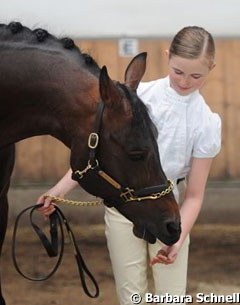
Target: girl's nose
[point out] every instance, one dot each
(184, 82)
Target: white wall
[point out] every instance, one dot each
(124, 18)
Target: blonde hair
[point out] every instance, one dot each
(193, 42)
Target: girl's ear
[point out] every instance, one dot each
(167, 53)
(212, 66)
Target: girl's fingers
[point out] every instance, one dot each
(157, 260)
(48, 206)
(160, 258)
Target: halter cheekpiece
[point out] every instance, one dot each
(123, 194)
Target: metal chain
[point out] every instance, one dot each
(166, 191)
(95, 203)
(154, 196)
(73, 202)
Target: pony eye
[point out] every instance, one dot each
(137, 155)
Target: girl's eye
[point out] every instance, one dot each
(196, 76)
(178, 72)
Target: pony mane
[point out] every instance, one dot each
(16, 36)
(20, 36)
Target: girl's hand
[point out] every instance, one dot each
(65, 185)
(166, 255)
(48, 206)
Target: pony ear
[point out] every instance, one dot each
(109, 93)
(135, 70)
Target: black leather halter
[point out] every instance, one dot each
(119, 194)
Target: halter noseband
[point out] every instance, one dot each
(123, 194)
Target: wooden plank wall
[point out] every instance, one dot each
(44, 159)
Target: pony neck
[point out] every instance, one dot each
(36, 102)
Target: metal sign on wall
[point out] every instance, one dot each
(128, 47)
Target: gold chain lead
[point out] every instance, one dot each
(95, 203)
(73, 202)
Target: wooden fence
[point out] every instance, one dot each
(44, 159)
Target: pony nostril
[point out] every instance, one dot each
(173, 228)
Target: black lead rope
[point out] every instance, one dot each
(57, 219)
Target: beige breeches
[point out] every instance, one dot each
(130, 260)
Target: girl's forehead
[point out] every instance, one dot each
(190, 66)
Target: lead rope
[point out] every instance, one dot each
(57, 217)
(73, 202)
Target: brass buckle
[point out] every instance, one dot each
(93, 140)
(128, 194)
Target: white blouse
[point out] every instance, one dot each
(186, 126)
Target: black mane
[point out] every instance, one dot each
(20, 36)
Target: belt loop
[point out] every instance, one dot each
(180, 180)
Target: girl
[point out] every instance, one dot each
(189, 138)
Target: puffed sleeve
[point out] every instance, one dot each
(207, 143)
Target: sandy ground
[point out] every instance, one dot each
(213, 264)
